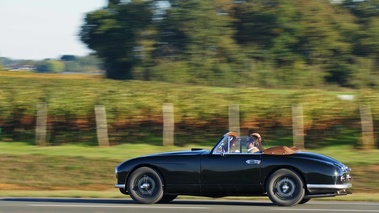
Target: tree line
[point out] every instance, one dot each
(266, 43)
(65, 63)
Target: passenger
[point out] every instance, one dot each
(254, 143)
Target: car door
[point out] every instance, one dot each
(231, 173)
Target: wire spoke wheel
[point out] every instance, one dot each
(145, 186)
(285, 188)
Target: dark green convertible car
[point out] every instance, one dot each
(286, 175)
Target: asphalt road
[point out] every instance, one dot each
(68, 205)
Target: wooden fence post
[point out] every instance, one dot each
(168, 124)
(41, 124)
(234, 118)
(101, 126)
(298, 126)
(367, 141)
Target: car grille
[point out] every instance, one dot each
(345, 177)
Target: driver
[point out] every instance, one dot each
(254, 143)
(228, 145)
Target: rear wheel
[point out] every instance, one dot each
(285, 188)
(145, 186)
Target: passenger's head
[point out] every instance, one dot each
(257, 137)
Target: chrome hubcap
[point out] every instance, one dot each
(145, 185)
(285, 188)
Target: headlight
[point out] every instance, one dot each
(345, 178)
(116, 170)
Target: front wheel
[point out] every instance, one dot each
(285, 188)
(145, 186)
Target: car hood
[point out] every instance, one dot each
(313, 155)
(320, 157)
(127, 163)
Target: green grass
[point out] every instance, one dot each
(350, 155)
(119, 152)
(345, 153)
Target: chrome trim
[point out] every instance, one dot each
(329, 186)
(253, 161)
(120, 186)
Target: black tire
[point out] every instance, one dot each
(167, 198)
(303, 201)
(145, 186)
(285, 188)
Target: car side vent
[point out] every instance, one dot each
(196, 149)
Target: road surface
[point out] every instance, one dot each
(70, 205)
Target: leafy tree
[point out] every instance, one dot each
(1, 64)
(327, 40)
(89, 63)
(200, 34)
(72, 66)
(298, 43)
(6, 62)
(56, 66)
(366, 42)
(300, 38)
(50, 66)
(85, 64)
(68, 58)
(271, 33)
(113, 32)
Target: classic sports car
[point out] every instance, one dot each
(286, 175)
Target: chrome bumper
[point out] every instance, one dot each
(329, 186)
(327, 190)
(120, 186)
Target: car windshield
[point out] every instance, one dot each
(229, 143)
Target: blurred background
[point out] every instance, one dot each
(202, 56)
(246, 65)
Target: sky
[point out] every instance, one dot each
(41, 29)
